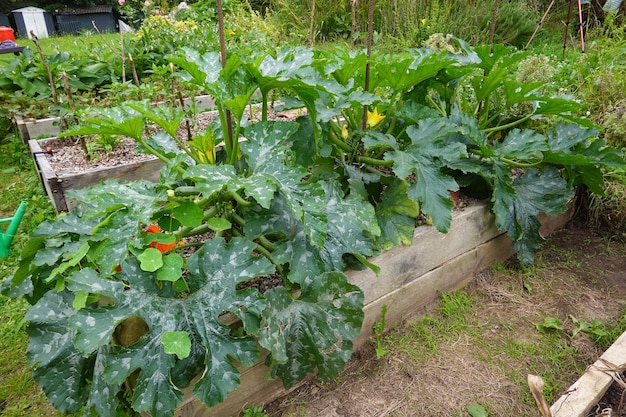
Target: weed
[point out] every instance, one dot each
(379, 330)
(455, 307)
(611, 330)
(254, 412)
(477, 410)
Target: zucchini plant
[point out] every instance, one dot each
(298, 201)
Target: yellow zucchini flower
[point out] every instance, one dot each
(344, 132)
(373, 118)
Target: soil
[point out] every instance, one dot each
(579, 273)
(68, 156)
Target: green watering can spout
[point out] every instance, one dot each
(6, 237)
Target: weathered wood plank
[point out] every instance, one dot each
(411, 298)
(49, 180)
(56, 184)
(585, 393)
(470, 228)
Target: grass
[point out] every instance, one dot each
(79, 45)
(19, 394)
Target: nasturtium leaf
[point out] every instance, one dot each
(80, 299)
(219, 224)
(151, 259)
(176, 343)
(168, 223)
(180, 286)
(172, 268)
(188, 214)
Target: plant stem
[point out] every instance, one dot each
(232, 145)
(312, 24)
(132, 67)
(53, 89)
(373, 161)
(239, 199)
(70, 100)
(508, 125)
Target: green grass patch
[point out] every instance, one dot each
(76, 45)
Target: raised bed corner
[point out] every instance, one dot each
(57, 184)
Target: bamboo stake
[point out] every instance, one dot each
(53, 89)
(119, 54)
(311, 24)
(353, 29)
(370, 36)
(70, 100)
(220, 25)
(494, 16)
(536, 385)
(132, 67)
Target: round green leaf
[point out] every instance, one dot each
(176, 343)
(172, 268)
(477, 410)
(189, 214)
(151, 260)
(168, 223)
(218, 224)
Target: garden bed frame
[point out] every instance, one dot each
(57, 184)
(410, 278)
(29, 128)
(585, 393)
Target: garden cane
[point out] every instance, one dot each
(569, 13)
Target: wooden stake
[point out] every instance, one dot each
(536, 385)
(220, 26)
(370, 40)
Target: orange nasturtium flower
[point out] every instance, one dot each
(161, 247)
(373, 118)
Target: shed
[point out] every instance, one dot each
(4, 20)
(74, 20)
(34, 19)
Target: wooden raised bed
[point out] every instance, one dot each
(411, 277)
(57, 184)
(30, 129)
(585, 393)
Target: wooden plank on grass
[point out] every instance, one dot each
(585, 393)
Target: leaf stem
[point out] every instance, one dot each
(508, 125)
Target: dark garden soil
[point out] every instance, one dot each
(580, 273)
(69, 157)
